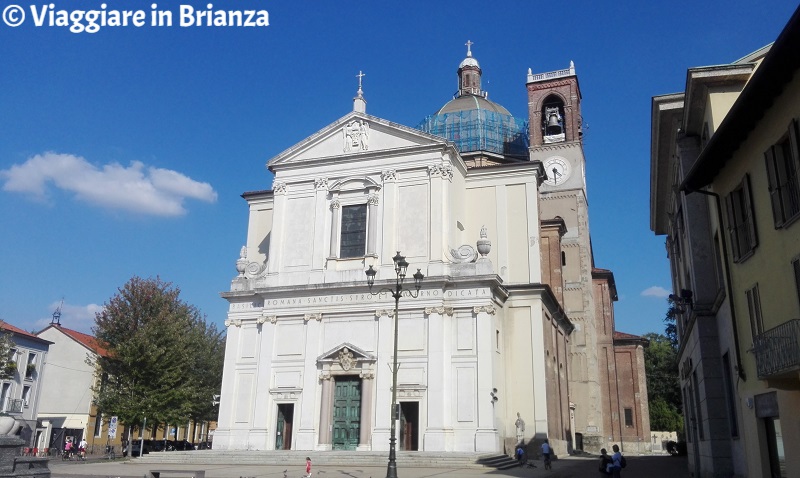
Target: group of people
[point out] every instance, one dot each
(611, 465)
(69, 449)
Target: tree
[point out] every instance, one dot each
(155, 342)
(663, 387)
(7, 366)
(206, 369)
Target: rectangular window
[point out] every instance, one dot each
(98, 424)
(796, 270)
(30, 367)
(754, 308)
(730, 396)
(26, 394)
(354, 231)
(741, 222)
(698, 411)
(4, 396)
(629, 417)
(782, 161)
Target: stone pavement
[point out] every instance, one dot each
(656, 466)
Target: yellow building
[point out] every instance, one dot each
(725, 189)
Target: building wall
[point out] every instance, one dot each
(769, 268)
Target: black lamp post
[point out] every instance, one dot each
(400, 266)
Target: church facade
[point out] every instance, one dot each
(483, 350)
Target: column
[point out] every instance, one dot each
(438, 432)
(336, 212)
(276, 244)
(320, 216)
(326, 407)
(389, 227)
(486, 438)
(365, 430)
(372, 231)
(534, 241)
(383, 381)
(305, 438)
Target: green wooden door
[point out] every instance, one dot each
(346, 413)
(279, 429)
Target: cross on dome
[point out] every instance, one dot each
(469, 47)
(360, 75)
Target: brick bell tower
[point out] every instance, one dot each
(554, 108)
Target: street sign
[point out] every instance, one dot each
(112, 428)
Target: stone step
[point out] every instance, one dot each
(453, 460)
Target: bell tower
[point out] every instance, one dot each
(556, 140)
(554, 107)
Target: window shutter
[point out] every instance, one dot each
(774, 188)
(732, 226)
(749, 215)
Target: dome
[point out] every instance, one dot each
(469, 61)
(471, 102)
(474, 123)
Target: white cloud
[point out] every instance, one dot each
(655, 291)
(75, 317)
(137, 188)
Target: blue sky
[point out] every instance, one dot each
(124, 152)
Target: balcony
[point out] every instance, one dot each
(13, 405)
(777, 351)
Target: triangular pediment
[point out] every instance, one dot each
(346, 350)
(356, 135)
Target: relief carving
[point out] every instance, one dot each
(279, 187)
(321, 183)
(315, 316)
(442, 170)
(346, 359)
(489, 309)
(356, 136)
(389, 175)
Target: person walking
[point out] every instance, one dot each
(546, 451)
(82, 449)
(308, 467)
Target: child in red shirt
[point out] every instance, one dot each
(308, 467)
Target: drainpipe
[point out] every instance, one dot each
(728, 286)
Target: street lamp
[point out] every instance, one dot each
(400, 266)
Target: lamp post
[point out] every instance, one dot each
(400, 266)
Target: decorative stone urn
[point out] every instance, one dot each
(484, 244)
(8, 425)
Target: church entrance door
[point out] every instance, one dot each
(283, 428)
(409, 426)
(346, 413)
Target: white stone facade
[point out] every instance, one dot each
(484, 340)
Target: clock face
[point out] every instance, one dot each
(557, 170)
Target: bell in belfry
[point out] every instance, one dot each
(552, 122)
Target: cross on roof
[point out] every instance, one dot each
(359, 76)
(469, 49)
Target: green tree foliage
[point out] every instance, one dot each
(7, 365)
(663, 387)
(158, 364)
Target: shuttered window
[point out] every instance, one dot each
(741, 221)
(782, 160)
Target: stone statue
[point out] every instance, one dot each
(520, 424)
(363, 133)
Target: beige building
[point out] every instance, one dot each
(485, 348)
(725, 164)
